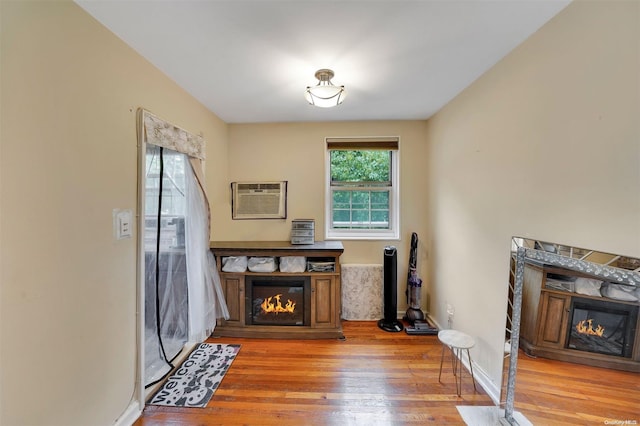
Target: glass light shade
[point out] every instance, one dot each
(325, 96)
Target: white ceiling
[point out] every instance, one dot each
(250, 61)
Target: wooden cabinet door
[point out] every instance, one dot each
(552, 331)
(532, 285)
(233, 288)
(323, 302)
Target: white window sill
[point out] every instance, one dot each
(370, 236)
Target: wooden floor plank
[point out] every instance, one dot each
(551, 392)
(375, 377)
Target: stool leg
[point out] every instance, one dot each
(441, 360)
(459, 378)
(454, 360)
(471, 368)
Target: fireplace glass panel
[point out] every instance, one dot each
(602, 327)
(278, 301)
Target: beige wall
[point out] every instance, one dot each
(296, 153)
(544, 145)
(562, 107)
(70, 90)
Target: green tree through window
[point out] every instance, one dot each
(362, 191)
(360, 166)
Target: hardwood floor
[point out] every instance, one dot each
(552, 392)
(378, 378)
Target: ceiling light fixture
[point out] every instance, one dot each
(325, 94)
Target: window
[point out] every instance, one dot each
(362, 188)
(173, 200)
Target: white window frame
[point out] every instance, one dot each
(393, 233)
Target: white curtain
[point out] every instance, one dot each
(204, 283)
(183, 294)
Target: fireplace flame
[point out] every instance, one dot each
(270, 307)
(586, 327)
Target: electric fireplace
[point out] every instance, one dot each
(602, 327)
(278, 300)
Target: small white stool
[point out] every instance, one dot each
(457, 341)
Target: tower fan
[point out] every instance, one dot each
(390, 321)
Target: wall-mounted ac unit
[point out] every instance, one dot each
(259, 200)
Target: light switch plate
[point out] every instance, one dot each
(122, 223)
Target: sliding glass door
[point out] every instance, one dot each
(166, 281)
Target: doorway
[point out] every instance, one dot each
(166, 303)
(179, 291)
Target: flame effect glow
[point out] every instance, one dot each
(586, 327)
(268, 306)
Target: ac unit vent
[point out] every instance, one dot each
(259, 200)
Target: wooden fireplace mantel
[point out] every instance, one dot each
(325, 289)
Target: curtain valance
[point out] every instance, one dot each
(162, 133)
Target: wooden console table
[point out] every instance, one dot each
(325, 289)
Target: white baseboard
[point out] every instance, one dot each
(485, 382)
(131, 414)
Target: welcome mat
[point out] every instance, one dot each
(197, 378)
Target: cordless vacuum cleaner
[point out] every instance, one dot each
(414, 285)
(419, 324)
